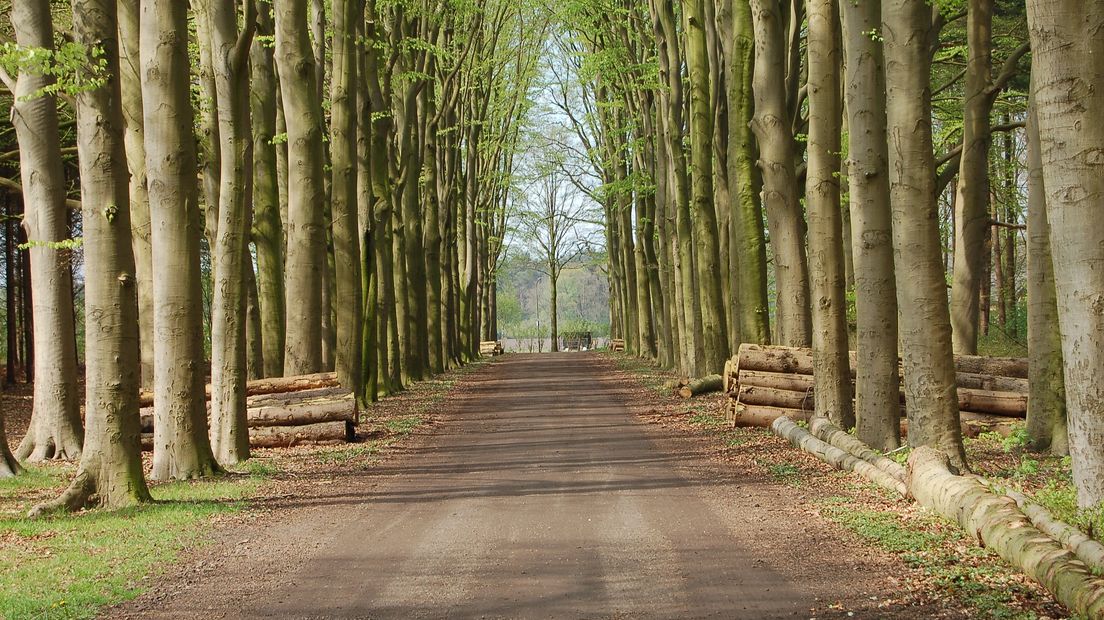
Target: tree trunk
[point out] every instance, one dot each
(110, 471)
(929, 368)
(749, 244)
(268, 228)
(972, 203)
(772, 125)
(134, 137)
(9, 465)
(706, 255)
(343, 149)
(306, 247)
(1046, 406)
(1069, 99)
(229, 56)
(181, 445)
(877, 379)
(55, 430)
(822, 198)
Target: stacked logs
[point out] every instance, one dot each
(490, 348)
(287, 411)
(766, 382)
(617, 344)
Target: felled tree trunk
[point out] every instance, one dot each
(704, 385)
(1002, 527)
(275, 385)
(787, 429)
(824, 430)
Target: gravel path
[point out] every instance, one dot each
(539, 495)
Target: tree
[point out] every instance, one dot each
(55, 430)
(1068, 90)
(182, 448)
(304, 269)
(772, 125)
(229, 59)
(550, 223)
(929, 371)
(707, 259)
(1046, 405)
(110, 471)
(822, 197)
(877, 390)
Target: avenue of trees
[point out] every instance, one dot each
(241, 190)
(218, 191)
(885, 176)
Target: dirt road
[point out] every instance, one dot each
(540, 495)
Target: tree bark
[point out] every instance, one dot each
(706, 255)
(134, 137)
(110, 471)
(268, 227)
(304, 267)
(772, 126)
(1046, 406)
(972, 204)
(229, 58)
(343, 150)
(822, 199)
(1069, 99)
(55, 429)
(929, 369)
(871, 239)
(181, 446)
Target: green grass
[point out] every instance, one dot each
(344, 455)
(403, 426)
(963, 571)
(784, 472)
(708, 419)
(68, 566)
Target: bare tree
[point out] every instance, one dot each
(553, 224)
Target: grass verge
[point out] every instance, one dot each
(69, 566)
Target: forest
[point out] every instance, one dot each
(200, 195)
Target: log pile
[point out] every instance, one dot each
(617, 344)
(307, 411)
(490, 348)
(766, 382)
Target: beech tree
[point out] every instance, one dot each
(55, 430)
(1068, 90)
(181, 445)
(925, 330)
(110, 471)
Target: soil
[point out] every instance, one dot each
(536, 492)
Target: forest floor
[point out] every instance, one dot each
(533, 486)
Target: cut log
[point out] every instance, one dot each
(269, 386)
(711, 383)
(755, 395)
(1001, 526)
(617, 344)
(790, 360)
(290, 398)
(286, 436)
(1015, 367)
(787, 429)
(323, 433)
(762, 417)
(1000, 403)
(823, 429)
(974, 424)
(992, 383)
(301, 414)
(731, 373)
(776, 380)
